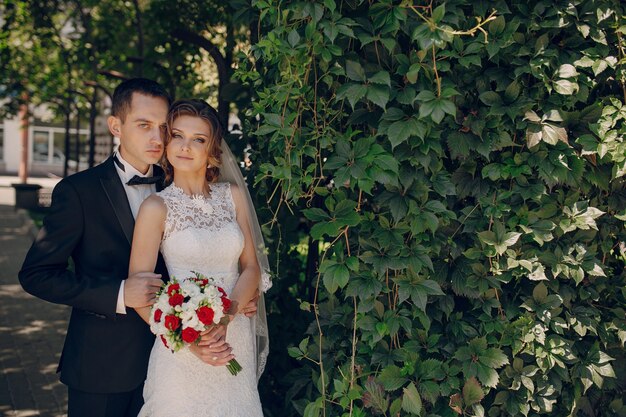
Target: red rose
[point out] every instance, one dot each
(205, 315)
(226, 303)
(222, 291)
(172, 288)
(205, 281)
(157, 315)
(176, 300)
(164, 341)
(172, 322)
(190, 334)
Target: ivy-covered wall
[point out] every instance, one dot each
(460, 165)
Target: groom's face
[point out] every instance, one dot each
(141, 144)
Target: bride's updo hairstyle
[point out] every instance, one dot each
(195, 108)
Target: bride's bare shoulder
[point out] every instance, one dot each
(153, 207)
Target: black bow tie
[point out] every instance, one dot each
(137, 180)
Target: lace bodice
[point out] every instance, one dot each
(201, 233)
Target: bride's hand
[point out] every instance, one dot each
(250, 309)
(212, 348)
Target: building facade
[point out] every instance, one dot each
(46, 147)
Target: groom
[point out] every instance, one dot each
(106, 351)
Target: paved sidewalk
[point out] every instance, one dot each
(31, 331)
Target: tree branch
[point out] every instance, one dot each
(222, 67)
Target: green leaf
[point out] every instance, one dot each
(387, 162)
(294, 352)
(447, 106)
(411, 400)
(498, 238)
(381, 77)
(512, 92)
(293, 38)
(412, 73)
(439, 12)
(553, 116)
(355, 71)
(538, 274)
(488, 237)
(553, 134)
(534, 134)
(490, 98)
(325, 228)
(378, 94)
(315, 214)
(312, 409)
(430, 287)
(352, 262)
(391, 377)
(401, 130)
(442, 184)
(567, 71)
(493, 358)
(497, 26)
(472, 392)
(540, 293)
(532, 116)
(354, 93)
(565, 87)
(487, 376)
(599, 66)
(426, 95)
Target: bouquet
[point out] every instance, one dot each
(186, 308)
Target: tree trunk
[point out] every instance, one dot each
(77, 145)
(92, 127)
(312, 265)
(67, 143)
(23, 116)
(139, 37)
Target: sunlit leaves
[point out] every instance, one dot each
(540, 128)
(499, 238)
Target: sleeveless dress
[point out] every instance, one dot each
(201, 234)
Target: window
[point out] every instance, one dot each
(58, 156)
(49, 147)
(58, 149)
(41, 146)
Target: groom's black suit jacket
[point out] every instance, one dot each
(91, 221)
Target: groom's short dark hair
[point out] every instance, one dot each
(123, 94)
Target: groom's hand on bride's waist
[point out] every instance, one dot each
(140, 289)
(212, 347)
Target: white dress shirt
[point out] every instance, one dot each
(136, 194)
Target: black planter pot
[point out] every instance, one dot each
(26, 196)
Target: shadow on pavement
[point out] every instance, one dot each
(31, 332)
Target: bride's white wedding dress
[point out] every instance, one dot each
(201, 234)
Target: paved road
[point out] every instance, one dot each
(31, 330)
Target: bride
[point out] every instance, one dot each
(204, 221)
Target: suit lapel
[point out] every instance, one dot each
(114, 191)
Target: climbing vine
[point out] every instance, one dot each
(459, 167)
